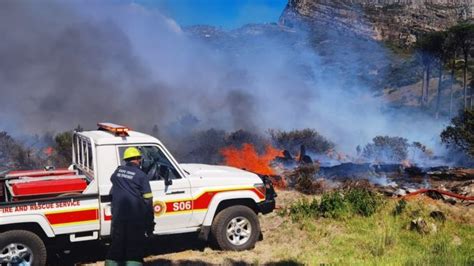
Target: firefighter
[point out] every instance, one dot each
(132, 211)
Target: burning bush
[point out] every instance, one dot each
(292, 140)
(302, 179)
(248, 158)
(240, 137)
(205, 146)
(386, 149)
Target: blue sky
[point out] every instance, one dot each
(228, 14)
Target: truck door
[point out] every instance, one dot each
(173, 203)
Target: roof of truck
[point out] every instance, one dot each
(100, 137)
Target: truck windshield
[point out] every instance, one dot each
(154, 162)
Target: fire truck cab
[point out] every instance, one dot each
(39, 208)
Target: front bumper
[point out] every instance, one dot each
(266, 206)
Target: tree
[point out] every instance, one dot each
(386, 149)
(7, 145)
(463, 37)
(63, 148)
(439, 48)
(461, 132)
(15, 156)
(451, 53)
(426, 47)
(292, 140)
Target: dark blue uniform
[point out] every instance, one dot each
(132, 213)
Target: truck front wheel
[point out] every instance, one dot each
(236, 228)
(20, 247)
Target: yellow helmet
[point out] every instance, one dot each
(131, 152)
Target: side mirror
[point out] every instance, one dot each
(165, 173)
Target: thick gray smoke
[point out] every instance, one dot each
(64, 64)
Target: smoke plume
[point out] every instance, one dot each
(69, 63)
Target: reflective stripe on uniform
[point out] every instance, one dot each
(148, 195)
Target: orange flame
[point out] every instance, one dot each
(48, 151)
(248, 158)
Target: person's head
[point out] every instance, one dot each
(132, 155)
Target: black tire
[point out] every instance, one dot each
(24, 240)
(223, 221)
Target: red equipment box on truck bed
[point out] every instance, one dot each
(48, 187)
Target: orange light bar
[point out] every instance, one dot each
(118, 130)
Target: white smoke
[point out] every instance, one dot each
(65, 64)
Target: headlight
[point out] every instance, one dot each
(261, 188)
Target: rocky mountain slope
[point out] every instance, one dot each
(399, 21)
(349, 37)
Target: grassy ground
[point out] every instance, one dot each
(382, 239)
(386, 239)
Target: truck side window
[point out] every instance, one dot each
(154, 162)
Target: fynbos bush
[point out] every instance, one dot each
(363, 201)
(337, 205)
(304, 209)
(292, 140)
(333, 205)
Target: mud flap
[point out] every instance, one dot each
(204, 233)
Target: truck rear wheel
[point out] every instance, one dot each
(236, 228)
(20, 247)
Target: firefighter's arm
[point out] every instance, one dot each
(148, 198)
(150, 217)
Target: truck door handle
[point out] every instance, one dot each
(175, 192)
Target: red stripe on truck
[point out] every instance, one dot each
(203, 200)
(199, 203)
(70, 217)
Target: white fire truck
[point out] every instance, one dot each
(39, 208)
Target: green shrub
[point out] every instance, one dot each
(333, 205)
(337, 205)
(401, 205)
(303, 209)
(363, 201)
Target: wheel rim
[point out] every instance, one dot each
(16, 254)
(239, 230)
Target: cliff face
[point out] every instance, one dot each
(399, 21)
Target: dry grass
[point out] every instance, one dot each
(380, 239)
